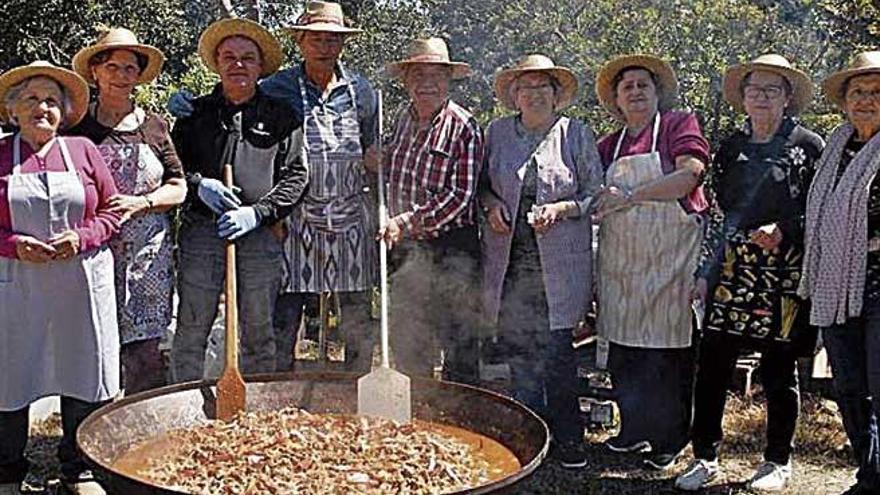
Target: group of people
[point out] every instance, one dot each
(790, 241)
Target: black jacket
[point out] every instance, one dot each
(261, 138)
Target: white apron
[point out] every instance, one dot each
(58, 332)
(331, 246)
(647, 258)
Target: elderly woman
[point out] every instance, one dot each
(543, 169)
(58, 313)
(841, 272)
(649, 241)
(759, 178)
(137, 147)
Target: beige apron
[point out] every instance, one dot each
(647, 258)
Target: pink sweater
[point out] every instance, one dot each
(98, 225)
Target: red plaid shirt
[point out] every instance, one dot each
(433, 172)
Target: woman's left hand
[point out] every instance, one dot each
(767, 237)
(612, 199)
(548, 215)
(128, 206)
(66, 245)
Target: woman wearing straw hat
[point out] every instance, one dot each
(759, 177)
(433, 163)
(649, 240)
(841, 271)
(261, 138)
(542, 172)
(137, 147)
(58, 311)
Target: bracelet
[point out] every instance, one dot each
(149, 200)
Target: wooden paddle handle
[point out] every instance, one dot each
(231, 292)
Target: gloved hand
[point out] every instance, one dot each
(180, 104)
(218, 197)
(238, 222)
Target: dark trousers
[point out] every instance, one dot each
(778, 371)
(654, 391)
(435, 305)
(854, 353)
(357, 328)
(14, 435)
(143, 367)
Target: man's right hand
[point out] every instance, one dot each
(180, 104)
(216, 196)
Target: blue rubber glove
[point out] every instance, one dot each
(218, 197)
(180, 104)
(238, 222)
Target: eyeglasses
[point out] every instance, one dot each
(858, 94)
(752, 92)
(537, 88)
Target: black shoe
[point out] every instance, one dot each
(570, 455)
(659, 461)
(616, 445)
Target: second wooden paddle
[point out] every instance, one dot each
(231, 394)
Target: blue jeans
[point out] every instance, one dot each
(854, 352)
(200, 282)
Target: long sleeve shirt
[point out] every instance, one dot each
(284, 85)
(434, 171)
(97, 225)
(261, 139)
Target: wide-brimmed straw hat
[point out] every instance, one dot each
(801, 86)
(536, 63)
(667, 83)
(76, 87)
(119, 39)
(428, 51)
(273, 56)
(325, 17)
(864, 63)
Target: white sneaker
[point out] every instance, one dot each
(698, 473)
(770, 477)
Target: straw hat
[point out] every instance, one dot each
(224, 28)
(864, 63)
(802, 88)
(667, 88)
(428, 51)
(323, 17)
(536, 63)
(76, 87)
(119, 39)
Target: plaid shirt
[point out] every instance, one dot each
(433, 172)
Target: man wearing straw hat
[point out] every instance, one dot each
(329, 248)
(433, 163)
(261, 138)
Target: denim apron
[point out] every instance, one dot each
(647, 258)
(330, 246)
(58, 331)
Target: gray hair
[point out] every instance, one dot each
(14, 93)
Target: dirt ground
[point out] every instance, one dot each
(820, 463)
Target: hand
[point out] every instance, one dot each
(700, 290)
(66, 245)
(392, 233)
(33, 250)
(373, 158)
(238, 222)
(279, 230)
(128, 206)
(767, 237)
(611, 199)
(498, 219)
(548, 215)
(218, 197)
(180, 104)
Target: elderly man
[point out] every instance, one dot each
(433, 163)
(261, 138)
(330, 247)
